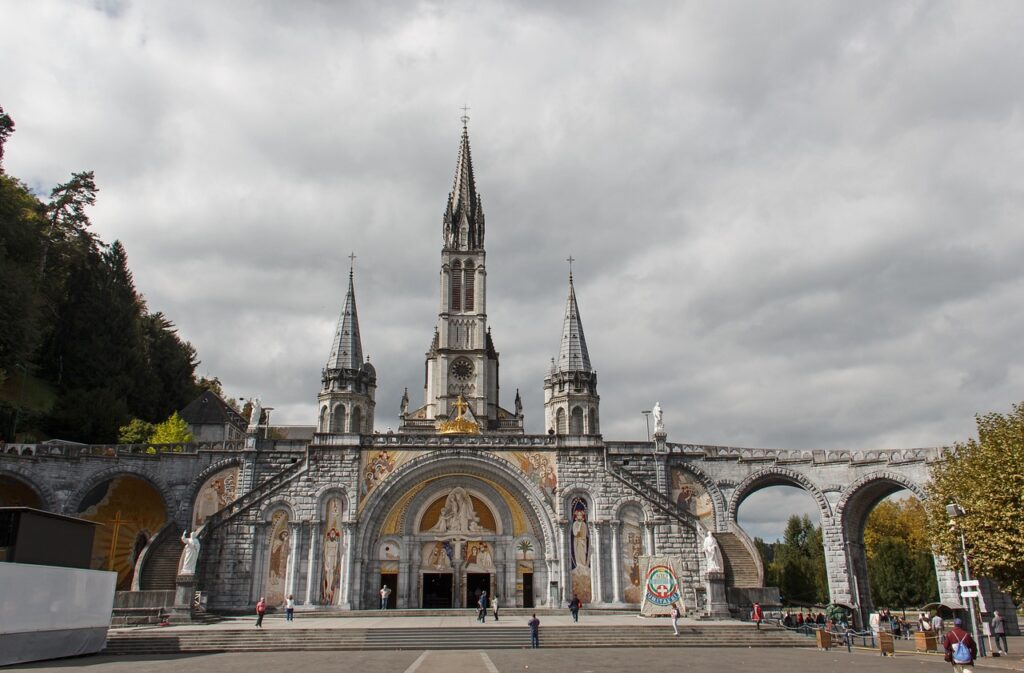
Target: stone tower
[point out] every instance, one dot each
(570, 388)
(346, 398)
(462, 361)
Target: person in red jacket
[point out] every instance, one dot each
(261, 609)
(757, 615)
(960, 648)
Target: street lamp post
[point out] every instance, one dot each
(955, 511)
(266, 433)
(647, 417)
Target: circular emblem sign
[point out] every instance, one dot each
(662, 587)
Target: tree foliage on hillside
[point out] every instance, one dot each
(985, 476)
(901, 570)
(797, 564)
(74, 321)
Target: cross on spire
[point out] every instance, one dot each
(570, 259)
(465, 115)
(351, 262)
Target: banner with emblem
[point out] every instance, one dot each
(661, 587)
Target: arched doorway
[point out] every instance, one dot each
(17, 493)
(130, 512)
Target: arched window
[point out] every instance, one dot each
(338, 419)
(456, 302)
(560, 421)
(576, 421)
(594, 427)
(357, 420)
(322, 426)
(469, 283)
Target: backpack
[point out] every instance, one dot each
(962, 653)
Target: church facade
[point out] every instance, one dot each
(460, 499)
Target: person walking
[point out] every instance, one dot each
(261, 609)
(385, 593)
(999, 631)
(534, 624)
(494, 606)
(574, 607)
(757, 614)
(481, 613)
(675, 619)
(937, 625)
(289, 608)
(960, 648)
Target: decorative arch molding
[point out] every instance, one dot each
(277, 504)
(417, 507)
(713, 488)
(873, 487)
(630, 501)
(74, 501)
(777, 476)
(197, 482)
(47, 498)
(323, 494)
(470, 463)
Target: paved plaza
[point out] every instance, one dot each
(734, 660)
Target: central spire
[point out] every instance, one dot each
(573, 355)
(464, 217)
(347, 348)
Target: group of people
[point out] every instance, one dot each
(799, 620)
(482, 604)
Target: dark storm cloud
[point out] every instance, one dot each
(796, 224)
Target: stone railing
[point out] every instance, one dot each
(116, 450)
(252, 497)
(815, 456)
(655, 497)
(397, 440)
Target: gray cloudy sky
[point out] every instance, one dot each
(797, 224)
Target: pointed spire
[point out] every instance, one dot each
(464, 206)
(347, 349)
(573, 355)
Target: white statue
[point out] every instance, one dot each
(257, 411)
(713, 554)
(190, 554)
(458, 515)
(659, 422)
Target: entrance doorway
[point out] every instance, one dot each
(391, 580)
(475, 584)
(527, 590)
(437, 590)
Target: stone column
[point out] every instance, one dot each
(649, 538)
(403, 583)
(294, 533)
(616, 562)
(415, 559)
(349, 571)
(312, 567)
(259, 560)
(597, 585)
(457, 584)
(564, 583)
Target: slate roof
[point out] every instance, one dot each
(210, 409)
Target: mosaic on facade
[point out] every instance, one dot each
(277, 565)
(217, 492)
(579, 554)
(377, 465)
(389, 554)
(691, 495)
(333, 544)
(540, 467)
(438, 556)
(130, 512)
(632, 547)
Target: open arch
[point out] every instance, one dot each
(338, 418)
(777, 476)
(356, 420)
(576, 421)
(853, 510)
(560, 425)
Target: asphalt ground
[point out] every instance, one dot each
(604, 660)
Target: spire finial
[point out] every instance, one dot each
(351, 263)
(465, 115)
(570, 259)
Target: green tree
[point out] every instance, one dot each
(797, 564)
(172, 431)
(6, 129)
(985, 476)
(137, 431)
(900, 566)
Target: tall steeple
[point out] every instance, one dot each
(346, 399)
(462, 362)
(573, 355)
(570, 388)
(464, 216)
(347, 349)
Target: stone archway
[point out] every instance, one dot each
(407, 508)
(777, 476)
(17, 490)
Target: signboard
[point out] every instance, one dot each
(970, 594)
(661, 585)
(967, 584)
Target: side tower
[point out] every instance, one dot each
(346, 398)
(462, 361)
(570, 388)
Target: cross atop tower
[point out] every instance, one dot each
(570, 259)
(351, 262)
(465, 115)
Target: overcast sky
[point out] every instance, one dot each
(796, 224)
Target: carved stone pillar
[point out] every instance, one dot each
(349, 570)
(564, 583)
(295, 534)
(312, 567)
(596, 583)
(616, 561)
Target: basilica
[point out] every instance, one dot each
(460, 500)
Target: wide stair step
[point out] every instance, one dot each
(454, 638)
(740, 567)
(161, 565)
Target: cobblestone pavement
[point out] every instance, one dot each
(733, 660)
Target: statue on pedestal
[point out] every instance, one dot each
(659, 421)
(257, 411)
(190, 554)
(712, 554)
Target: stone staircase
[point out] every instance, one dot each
(161, 564)
(740, 568)
(649, 493)
(254, 496)
(297, 639)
